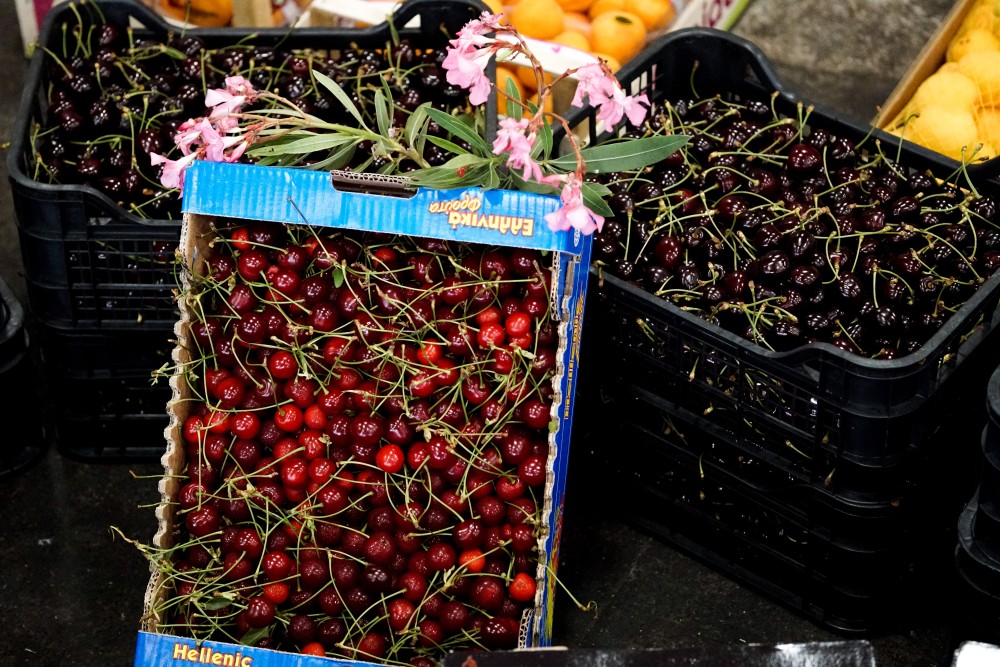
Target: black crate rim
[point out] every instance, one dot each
(155, 23)
(742, 348)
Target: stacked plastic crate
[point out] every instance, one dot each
(977, 553)
(100, 265)
(826, 479)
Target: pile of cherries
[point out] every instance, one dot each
(367, 444)
(785, 233)
(114, 97)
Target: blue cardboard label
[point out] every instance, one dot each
(155, 650)
(302, 196)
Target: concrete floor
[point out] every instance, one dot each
(71, 594)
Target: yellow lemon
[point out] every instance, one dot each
(505, 74)
(988, 123)
(981, 16)
(655, 14)
(977, 39)
(948, 130)
(983, 67)
(541, 19)
(946, 87)
(601, 6)
(621, 35)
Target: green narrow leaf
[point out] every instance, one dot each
(624, 155)
(492, 180)
(449, 146)
(254, 636)
(220, 602)
(600, 189)
(341, 96)
(338, 277)
(459, 129)
(336, 160)
(382, 113)
(312, 144)
(416, 126)
(594, 201)
(447, 175)
(514, 109)
(544, 144)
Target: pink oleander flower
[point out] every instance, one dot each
(466, 67)
(512, 139)
(469, 54)
(486, 23)
(611, 108)
(230, 100)
(593, 82)
(240, 87)
(193, 131)
(573, 214)
(172, 174)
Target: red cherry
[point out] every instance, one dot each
(400, 611)
(260, 612)
(491, 335)
(430, 352)
(282, 365)
(532, 470)
(245, 425)
(288, 418)
(390, 458)
(522, 587)
(537, 414)
(518, 324)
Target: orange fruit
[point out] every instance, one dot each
(613, 64)
(505, 74)
(577, 22)
(621, 35)
(601, 6)
(541, 19)
(572, 38)
(496, 7)
(655, 14)
(575, 5)
(526, 75)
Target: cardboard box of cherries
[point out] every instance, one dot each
(367, 447)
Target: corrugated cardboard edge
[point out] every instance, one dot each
(930, 58)
(189, 249)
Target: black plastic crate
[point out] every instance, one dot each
(88, 261)
(978, 578)
(809, 555)
(815, 406)
(101, 399)
(24, 442)
(857, 502)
